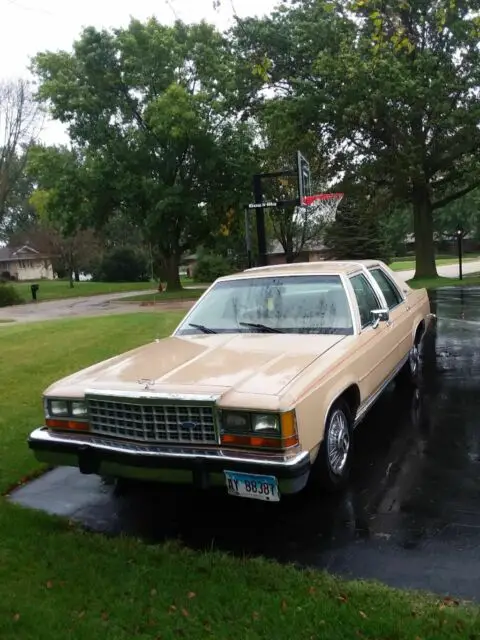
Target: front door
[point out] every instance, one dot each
(377, 353)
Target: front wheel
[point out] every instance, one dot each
(331, 468)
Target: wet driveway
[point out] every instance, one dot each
(410, 518)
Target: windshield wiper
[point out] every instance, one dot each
(260, 327)
(202, 327)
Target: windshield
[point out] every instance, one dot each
(281, 304)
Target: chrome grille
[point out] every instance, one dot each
(152, 422)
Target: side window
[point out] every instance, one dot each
(366, 298)
(389, 290)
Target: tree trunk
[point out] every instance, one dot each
(170, 268)
(423, 230)
(77, 275)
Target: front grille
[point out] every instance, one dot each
(152, 422)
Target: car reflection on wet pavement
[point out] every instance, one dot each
(410, 518)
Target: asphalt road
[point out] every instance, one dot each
(112, 303)
(410, 517)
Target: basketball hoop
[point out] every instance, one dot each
(324, 204)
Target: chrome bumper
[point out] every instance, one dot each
(200, 468)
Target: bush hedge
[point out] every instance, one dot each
(9, 295)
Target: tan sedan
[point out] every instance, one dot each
(258, 389)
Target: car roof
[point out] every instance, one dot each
(330, 267)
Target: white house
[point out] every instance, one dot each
(25, 263)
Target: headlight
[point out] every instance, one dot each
(58, 407)
(233, 421)
(266, 422)
(236, 421)
(79, 409)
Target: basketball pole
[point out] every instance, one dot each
(248, 237)
(260, 218)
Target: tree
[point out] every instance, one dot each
(19, 213)
(155, 105)
(63, 200)
(20, 124)
(358, 232)
(464, 212)
(391, 86)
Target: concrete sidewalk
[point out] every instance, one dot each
(447, 270)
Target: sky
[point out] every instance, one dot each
(30, 26)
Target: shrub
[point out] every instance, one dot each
(5, 276)
(9, 295)
(122, 265)
(210, 267)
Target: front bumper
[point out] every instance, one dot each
(200, 468)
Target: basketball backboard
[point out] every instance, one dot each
(304, 180)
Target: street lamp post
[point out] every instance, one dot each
(459, 246)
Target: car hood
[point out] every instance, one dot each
(204, 364)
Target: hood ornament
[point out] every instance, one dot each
(147, 382)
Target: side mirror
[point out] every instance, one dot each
(380, 315)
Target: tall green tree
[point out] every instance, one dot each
(63, 199)
(392, 86)
(157, 105)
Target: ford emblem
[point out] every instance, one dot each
(188, 425)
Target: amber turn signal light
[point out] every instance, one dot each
(67, 425)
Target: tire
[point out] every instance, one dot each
(410, 373)
(331, 468)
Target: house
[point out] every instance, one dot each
(24, 263)
(311, 252)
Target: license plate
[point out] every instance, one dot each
(247, 485)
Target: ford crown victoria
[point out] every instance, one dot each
(258, 390)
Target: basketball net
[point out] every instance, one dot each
(322, 205)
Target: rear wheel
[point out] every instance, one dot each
(331, 468)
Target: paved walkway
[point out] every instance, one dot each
(103, 304)
(447, 270)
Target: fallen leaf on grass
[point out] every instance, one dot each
(185, 613)
(191, 595)
(104, 616)
(343, 598)
(284, 605)
(49, 584)
(172, 608)
(364, 615)
(16, 617)
(311, 590)
(81, 614)
(255, 615)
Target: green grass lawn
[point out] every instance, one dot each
(60, 582)
(56, 289)
(405, 264)
(469, 280)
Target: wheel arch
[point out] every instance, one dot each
(418, 332)
(351, 395)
